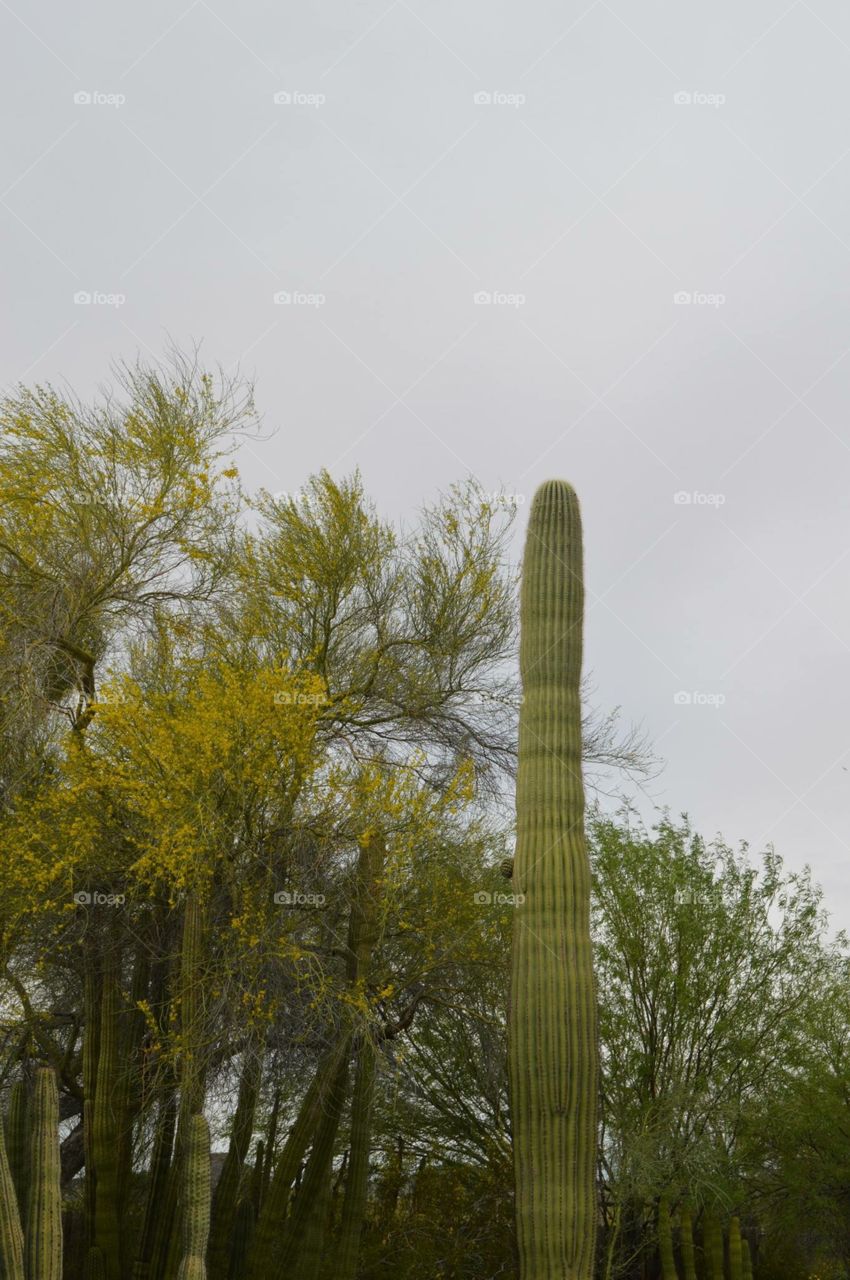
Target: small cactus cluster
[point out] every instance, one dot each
(739, 1258)
(30, 1186)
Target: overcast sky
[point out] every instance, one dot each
(580, 164)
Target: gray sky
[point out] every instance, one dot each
(618, 155)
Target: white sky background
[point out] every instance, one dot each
(598, 198)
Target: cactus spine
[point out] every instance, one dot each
(11, 1235)
(665, 1241)
(552, 1027)
(687, 1238)
(44, 1216)
(735, 1255)
(95, 1269)
(196, 1201)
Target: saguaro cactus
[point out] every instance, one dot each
(552, 1027)
(105, 1124)
(712, 1243)
(736, 1271)
(686, 1227)
(665, 1241)
(11, 1235)
(196, 1201)
(17, 1138)
(243, 1227)
(95, 1266)
(44, 1217)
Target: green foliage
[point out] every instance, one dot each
(552, 1038)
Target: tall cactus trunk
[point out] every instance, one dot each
(736, 1266)
(553, 1052)
(357, 1180)
(712, 1243)
(665, 1241)
(271, 1221)
(11, 1234)
(157, 1185)
(301, 1247)
(91, 1050)
(257, 1179)
(227, 1190)
(269, 1146)
(167, 1251)
(687, 1241)
(196, 1201)
(363, 931)
(243, 1228)
(130, 1094)
(106, 1124)
(44, 1217)
(746, 1260)
(17, 1138)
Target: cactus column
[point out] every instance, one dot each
(665, 1241)
(552, 1026)
(687, 1240)
(11, 1235)
(196, 1201)
(735, 1259)
(44, 1217)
